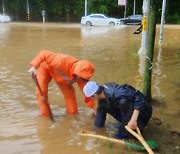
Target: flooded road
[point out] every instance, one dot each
(113, 51)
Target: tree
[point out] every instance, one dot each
(68, 9)
(150, 48)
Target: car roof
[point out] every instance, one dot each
(136, 15)
(96, 14)
(3, 14)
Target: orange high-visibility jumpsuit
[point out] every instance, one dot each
(62, 69)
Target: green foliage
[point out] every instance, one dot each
(103, 9)
(174, 18)
(172, 11)
(108, 7)
(79, 8)
(56, 9)
(36, 7)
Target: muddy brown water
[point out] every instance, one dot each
(113, 51)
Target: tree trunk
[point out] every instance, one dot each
(150, 50)
(67, 15)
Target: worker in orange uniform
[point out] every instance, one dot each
(65, 70)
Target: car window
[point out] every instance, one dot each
(139, 16)
(97, 16)
(132, 17)
(135, 17)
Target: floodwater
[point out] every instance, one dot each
(114, 52)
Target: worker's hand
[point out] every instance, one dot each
(132, 124)
(32, 71)
(133, 121)
(93, 111)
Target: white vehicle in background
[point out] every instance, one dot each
(99, 20)
(4, 18)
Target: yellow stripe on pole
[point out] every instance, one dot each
(144, 23)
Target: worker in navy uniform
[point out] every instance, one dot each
(125, 103)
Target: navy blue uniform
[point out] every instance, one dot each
(120, 102)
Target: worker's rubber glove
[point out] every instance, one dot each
(87, 99)
(120, 136)
(32, 70)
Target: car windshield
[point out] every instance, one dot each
(106, 16)
(135, 17)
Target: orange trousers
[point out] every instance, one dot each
(44, 77)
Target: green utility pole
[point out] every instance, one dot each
(150, 50)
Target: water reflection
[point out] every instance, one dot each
(4, 32)
(55, 137)
(157, 74)
(94, 31)
(139, 77)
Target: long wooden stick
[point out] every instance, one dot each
(140, 138)
(42, 95)
(128, 144)
(37, 84)
(139, 132)
(85, 133)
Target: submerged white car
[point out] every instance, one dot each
(99, 20)
(4, 18)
